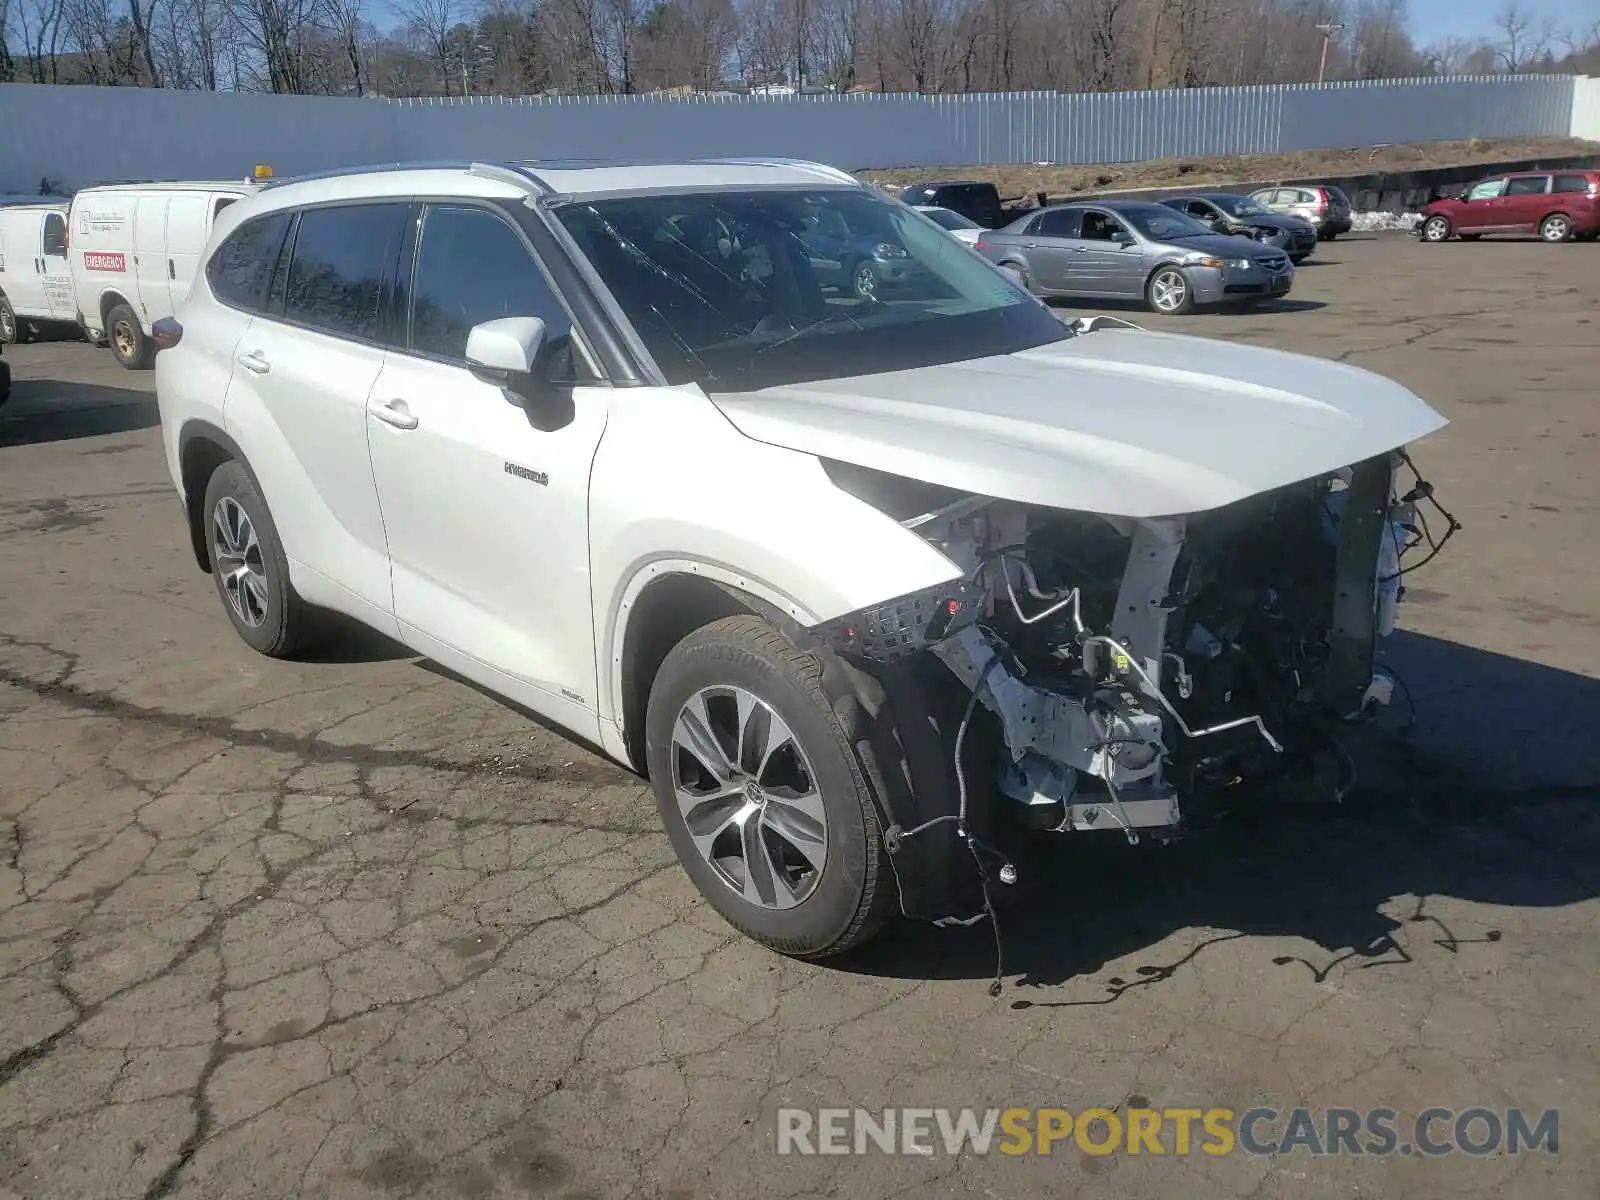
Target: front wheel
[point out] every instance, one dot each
(1555, 228)
(129, 345)
(761, 793)
(1169, 293)
(8, 322)
(1436, 229)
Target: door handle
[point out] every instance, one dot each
(172, 269)
(254, 363)
(1079, 249)
(1030, 245)
(394, 413)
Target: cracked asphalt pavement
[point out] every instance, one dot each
(347, 927)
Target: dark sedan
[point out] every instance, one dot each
(1226, 212)
(1128, 250)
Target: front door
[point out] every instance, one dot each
(150, 255)
(486, 515)
(1484, 208)
(1108, 258)
(54, 268)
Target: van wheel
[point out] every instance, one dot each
(761, 792)
(8, 322)
(249, 566)
(128, 342)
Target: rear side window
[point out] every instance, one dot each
(55, 234)
(1572, 183)
(1063, 223)
(1528, 185)
(473, 267)
(239, 270)
(341, 256)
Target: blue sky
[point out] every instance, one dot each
(1435, 20)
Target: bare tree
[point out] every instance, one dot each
(431, 23)
(275, 33)
(1521, 41)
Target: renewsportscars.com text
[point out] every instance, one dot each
(1379, 1132)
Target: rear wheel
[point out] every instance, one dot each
(249, 566)
(1169, 293)
(1436, 229)
(761, 792)
(1557, 227)
(129, 345)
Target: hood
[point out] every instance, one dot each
(1222, 245)
(1275, 221)
(1121, 422)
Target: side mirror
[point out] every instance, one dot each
(504, 352)
(1121, 237)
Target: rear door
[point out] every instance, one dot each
(303, 373)
(55, 267)
(1483, 209)
(20, 273)
(1525, 202)
(1579, 197)
(150, 254)
(1052, 246)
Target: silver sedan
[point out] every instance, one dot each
(1132, 250)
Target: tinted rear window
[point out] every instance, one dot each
(340, 258)
(1572, 183)
(1528, 185)
(238, 271)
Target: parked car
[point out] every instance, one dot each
(1135, 249)
(1226, 212)
(35, 286)
(952, 222)
(972, 198)
(1556, 205)
(135, 249)
(1327, 208)
(857, 260)
(596, 439)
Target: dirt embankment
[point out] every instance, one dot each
(1025, 179)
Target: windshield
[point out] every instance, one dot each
(739, 290)
(1161, 224)
(946, 219)
(1238, 206)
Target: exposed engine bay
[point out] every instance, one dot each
(1134, 665)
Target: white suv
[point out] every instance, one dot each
(850, 577)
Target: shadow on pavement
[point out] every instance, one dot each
(1495, 799)
(47, 410)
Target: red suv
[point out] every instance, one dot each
(1556, 205)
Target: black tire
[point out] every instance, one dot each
(1164, 275)
(283, 615)
(1437, 229)
(5, 382)
(10, 331)
(853, 894)
(129, 346)
(1557, 227)
(1330, 235)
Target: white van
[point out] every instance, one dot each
(135, 250)
(35, 284)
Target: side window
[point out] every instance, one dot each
(1487, 190)
(473, 267)
(1267, 197)
(55, 234)
(1099, 227)
(222, 203)
(341, 256)
(1571, 183)
(1062, 223)
(239, 270)
(1528, 185)
(1199, 208)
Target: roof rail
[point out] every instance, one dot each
(516, 173)
(371, 169)
(837, 173)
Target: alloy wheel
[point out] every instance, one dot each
(749, 797)
(1168, 291)
(1436, 230)
(1555, 229)
(866, 282)
(241, 565)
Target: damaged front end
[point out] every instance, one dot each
(1123, 670)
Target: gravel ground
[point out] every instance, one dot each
(347, 928)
